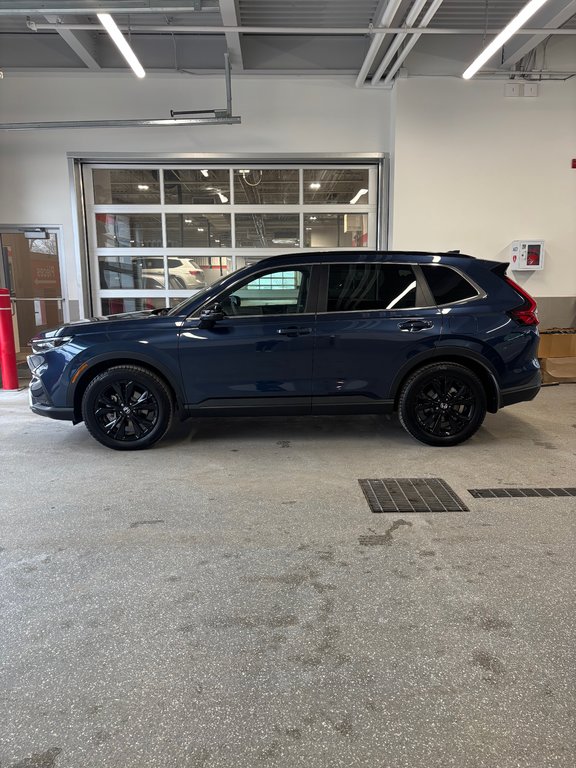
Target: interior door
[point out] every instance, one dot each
(32, 274)
(260, 354)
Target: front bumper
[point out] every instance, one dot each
(62, 414)
(41, 404)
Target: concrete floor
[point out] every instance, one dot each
(208, 603)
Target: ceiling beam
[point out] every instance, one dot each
(229, 14)
(81, 43)
(552, 15)
(287, 31)
(426, 19)
(386, 18)
(411, 19)
(134, 6)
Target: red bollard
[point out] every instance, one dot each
(7, 348)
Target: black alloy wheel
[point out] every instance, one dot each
(442, 404)
(127, 408)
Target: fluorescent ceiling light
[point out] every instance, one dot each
(143, 187)
(204, 173)
(517, 22)
(357, 196)
(315, 185)
(110, 26)
(223, 198)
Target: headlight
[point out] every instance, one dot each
(43, 345)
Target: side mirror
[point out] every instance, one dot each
(209, 316)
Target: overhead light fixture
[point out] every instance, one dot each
(187, 221)
(358, 195)
(517, 22)
(143, 187)
(244, 171)
(223, 198)
(204, 173)
(200, 229)
(315, 185)
(111, 27)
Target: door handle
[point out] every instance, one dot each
(412, 326)
(294, 331)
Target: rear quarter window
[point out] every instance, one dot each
(446, 285)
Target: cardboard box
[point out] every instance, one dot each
(557, 342)
(558, 370)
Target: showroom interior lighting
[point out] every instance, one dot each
(358, 195)
(315, 185)
(517, 22)
(121, 43)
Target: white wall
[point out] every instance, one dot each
(474, 170)
(471, 169)
(279, 116)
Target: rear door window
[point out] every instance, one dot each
(364, 287)
(447, 285)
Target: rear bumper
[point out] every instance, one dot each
(521, 394)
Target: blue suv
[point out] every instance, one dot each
(439, 337)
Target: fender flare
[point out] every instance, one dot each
(452, 354)
(125, 356)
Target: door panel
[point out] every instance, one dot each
(260, 353)
(359, 353)
(252, 361)
(371, 323)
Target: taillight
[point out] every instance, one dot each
(526, 313)
(195, 271)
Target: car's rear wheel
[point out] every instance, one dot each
(127, 408)
(442, 404)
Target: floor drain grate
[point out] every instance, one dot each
(411, 495)
(519, 493)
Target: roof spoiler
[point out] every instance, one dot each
(500, 268)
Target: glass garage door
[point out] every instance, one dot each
(157, 234)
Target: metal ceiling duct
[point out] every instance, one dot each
(176, 119)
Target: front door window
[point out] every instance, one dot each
(282, 292)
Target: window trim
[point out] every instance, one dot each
(480, 292)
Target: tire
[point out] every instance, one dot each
(442, 404)
(127, 408)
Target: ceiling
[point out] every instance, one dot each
(304, 37)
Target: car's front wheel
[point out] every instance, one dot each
(127, 408)
(442, 404)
